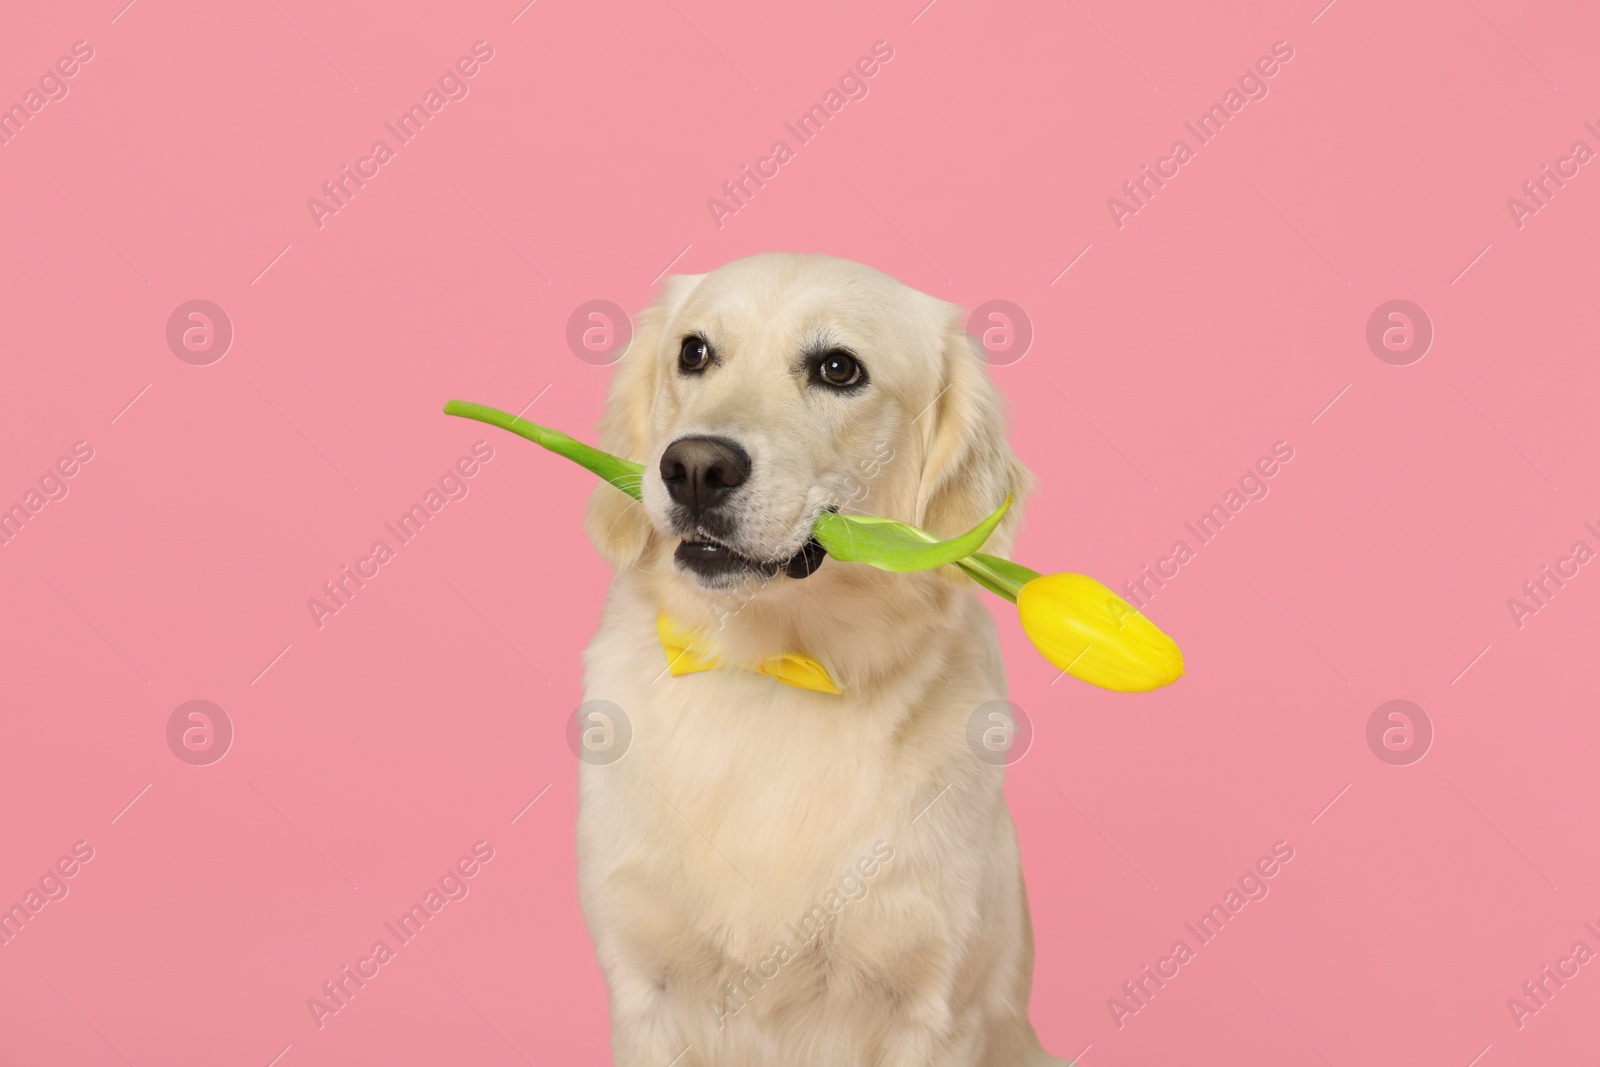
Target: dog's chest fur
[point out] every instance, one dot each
(751, 821)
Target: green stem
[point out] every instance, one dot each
(999, 576)
(622, 473)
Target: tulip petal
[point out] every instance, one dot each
(1094, 635)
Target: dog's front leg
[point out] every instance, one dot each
(667, 1007)
(899, 1020)
(661, 1023)
(649, 1035)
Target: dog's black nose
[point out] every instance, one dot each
(701, 472)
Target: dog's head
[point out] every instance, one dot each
(781, 385)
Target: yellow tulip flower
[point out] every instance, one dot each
(1096, 636)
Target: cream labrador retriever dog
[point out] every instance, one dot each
(799, 859)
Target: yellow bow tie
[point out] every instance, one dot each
(689, 651)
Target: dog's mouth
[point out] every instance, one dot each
(714, 561)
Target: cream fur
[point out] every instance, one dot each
(742, 802)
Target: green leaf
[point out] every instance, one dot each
(897, 546)
(622, 473)
(999, 576)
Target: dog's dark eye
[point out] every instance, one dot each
(694, 356)
(839, 369)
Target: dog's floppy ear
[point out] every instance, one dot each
(617, 524)
(968, 467)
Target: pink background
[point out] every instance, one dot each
(1226, 315)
